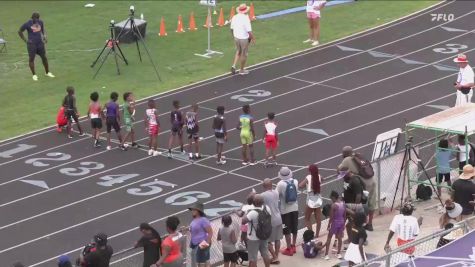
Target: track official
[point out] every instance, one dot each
(465, 81)
(242, 32)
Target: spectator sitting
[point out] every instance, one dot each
(452, 213)
(311, 246)
(405, 226)
(228, 238)
(453, 235)
(151, 243)
(464, 189)
(64, 261)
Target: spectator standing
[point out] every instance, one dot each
(254, 243)
(443, 156)
(312, 183)
(228, 238)
(336, 223)
(313, 15)
(464, 190)
(101, 255)
(172, 246)
(353, 192)
(151, 243)
(355, 253)
(465, 81)
(71, 111)
(463, 152)
(405, 226)
(201, 236)
(289, 209)
(271, 200)
(243, 36)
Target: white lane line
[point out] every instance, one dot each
(196, 183)
(262, 64)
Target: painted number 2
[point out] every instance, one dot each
(450, 48)
(54, 156)
(252, 94)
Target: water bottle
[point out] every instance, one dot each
(141, 16)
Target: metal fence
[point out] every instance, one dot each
(422, 245)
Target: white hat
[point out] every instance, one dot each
(468, 172)
(242, 8)
(461, 58)
(285, 173)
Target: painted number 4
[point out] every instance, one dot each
(252, 94)
(450, 48)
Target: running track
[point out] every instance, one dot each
(353, 89)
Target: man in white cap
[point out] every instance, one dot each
(289, 209)
(242, 32)
(465, 81)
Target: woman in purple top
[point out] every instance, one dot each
(336, 224)
(113, 119)
(201, 235)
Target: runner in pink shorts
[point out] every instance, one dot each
(152, 127)
(313, 15)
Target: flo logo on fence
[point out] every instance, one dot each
(442, 17)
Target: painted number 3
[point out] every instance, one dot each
(252, 94)
(450, 48)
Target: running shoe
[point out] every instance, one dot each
(70, 136)
(233, 70)
(338, 256)
(97, 144)
(307, 41)
(169, 155)
(294, 249)
(287, 252)
(245, 163)
(221, 162)
(315, 43)
(49, 74)
(82, 134)
(109, 147)
(252, 163)
(123, 147)
(156, 153)
(190, 156)
(243, 72)
(197, 156)
(150, 152)
(35, 78)
(135, 145)
(327, 258)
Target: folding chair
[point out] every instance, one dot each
(3, 42)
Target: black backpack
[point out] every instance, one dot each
(365, 169)
(423, 192)
(264, 224)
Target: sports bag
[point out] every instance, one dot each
(290, 192)
(264, 224)
(365, 169)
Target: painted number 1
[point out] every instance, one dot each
(20, 148)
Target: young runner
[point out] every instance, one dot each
(219, 127)
(129, 112)
(71, 111)
(270, 139)
(152, 127)
(176, 120)
(95, 115)
(113, 120)
(247, 135)
(192, 129)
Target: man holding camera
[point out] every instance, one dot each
(35, 43)
(97, 254)
(465, 81)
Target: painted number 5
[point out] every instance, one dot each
(450, 48)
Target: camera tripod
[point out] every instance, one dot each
(409, 150)
(112, 45)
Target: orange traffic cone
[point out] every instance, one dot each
(192, 24)
(221, 18)
(208, 22)
(252, 15)
(232, 13)
(179, 27)
(162, 32)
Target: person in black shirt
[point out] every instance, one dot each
(99, 254)
(151, 243)
(352, 194)
(71, 111)
(464, 190)
(35, 43)
(355, 253)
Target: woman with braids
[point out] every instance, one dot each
(151, 243)
(314, 201)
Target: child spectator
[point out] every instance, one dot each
(129, 112)
(355, 253)
(113, 120)
(95, 114)
(443, 164)
(152, 126)
(463, 151)
(270, 139)
(336, 223)
(192, 129)
(228, 238)
(176, 120)
(244, 210)
(310, 246)
(247, 134)
(219, 127)
(71, 111)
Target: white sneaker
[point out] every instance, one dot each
(109, 147)
(315, 43)
(150, 152)
(307, 41)
(156, 153)
(49, 74)
(245, 163)
(327, 258)
(252, 163)
(338, 256)
(243, 72)
(221, 162)
(35, 78)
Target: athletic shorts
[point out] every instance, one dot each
(111, 122)
(441, 177)
(313, 15)
(271, 142)
(246, 138)
(70, 115)
(35, 49)
(153, 129)
(242, 46)
(230, 257)
(200, 255)
(128, 124)
(96, 123)
(177, 130)
(290, 222)
(193, 133)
